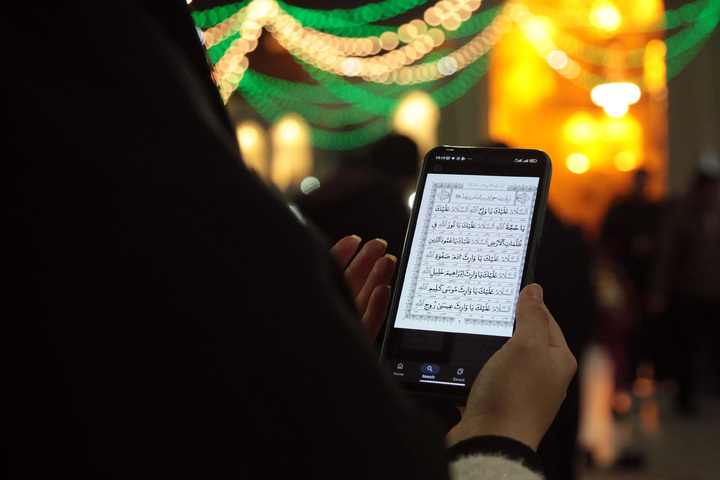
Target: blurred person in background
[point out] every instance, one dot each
(367, 195)
(686, 289)
(626, 250)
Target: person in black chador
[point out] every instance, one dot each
(166, 316)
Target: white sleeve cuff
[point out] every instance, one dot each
(490, 467)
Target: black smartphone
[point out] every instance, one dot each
(470, 247)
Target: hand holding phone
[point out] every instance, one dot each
(522, 386)
(469, 249)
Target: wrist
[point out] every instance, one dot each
(481, 426)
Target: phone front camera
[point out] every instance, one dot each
(437, 168)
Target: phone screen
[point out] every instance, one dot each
(464, 264)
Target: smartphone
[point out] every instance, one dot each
(475, 228)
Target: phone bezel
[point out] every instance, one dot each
(478, 161)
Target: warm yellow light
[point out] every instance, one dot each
(417, 117)
(291, 152)
(452, 22)
(413, 111)
(620, 92)
(580, 128)
(655, 48)
(253, 146)
(626, 161)
(406, 33)
(616, 110)
(535, 31)
(247, 135)
(605, 16)
(615, 97)
(433, 16)
(571, 70)
(557, 59)
(363, 57)
(589, 180)
(646, 11)
(289, 129)
(621, 129)
(351, 67)
(437, 36)
(262, 8)
(655, 70)
(577, 163)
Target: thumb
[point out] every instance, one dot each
(533, 321)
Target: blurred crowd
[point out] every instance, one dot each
(655, 278)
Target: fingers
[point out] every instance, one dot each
(376, 310)
(362, 265)
(368, 275)
(344, 249)
(380, 275)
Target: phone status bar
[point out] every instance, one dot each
(462, 158)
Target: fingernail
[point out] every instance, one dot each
(384, 242)
(356, 238)
(391, 257)
(535, 291)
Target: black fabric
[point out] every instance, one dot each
(497, 445)
(164, 315)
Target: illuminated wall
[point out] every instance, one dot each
(538, 99)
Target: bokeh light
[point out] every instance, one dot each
(626, 161)
(577, 163)
(309, 185)
(604, 15)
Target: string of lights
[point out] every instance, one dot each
(700, 19)
(361, 70)
(355, 22)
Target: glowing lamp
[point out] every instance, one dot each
(577, 163)
(615, 97)
(605, 16)
(289, 129)
(626, 161)
(247, 135)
